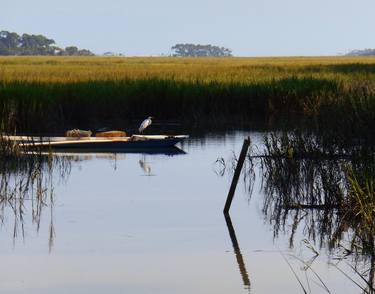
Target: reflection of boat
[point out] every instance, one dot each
(98, 143)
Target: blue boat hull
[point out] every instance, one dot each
(116, 145)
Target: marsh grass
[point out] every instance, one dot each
(46, 93)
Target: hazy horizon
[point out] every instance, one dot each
(248, 28)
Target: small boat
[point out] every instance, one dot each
(97, 143)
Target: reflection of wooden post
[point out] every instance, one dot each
(371, 274)
(236, 176)
(237, 252)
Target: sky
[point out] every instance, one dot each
(247, 27)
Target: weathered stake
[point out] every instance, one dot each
(236, 176)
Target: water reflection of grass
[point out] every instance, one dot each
(26, 189)
(327, 189)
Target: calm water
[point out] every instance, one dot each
(153, 223)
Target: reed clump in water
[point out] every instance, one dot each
(325, 190)
(26, 189)
(8, 149)
(331, 184)
(26, 180)
(361, 200)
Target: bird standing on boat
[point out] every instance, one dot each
(145, 124)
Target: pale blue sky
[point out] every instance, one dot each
(248, 27)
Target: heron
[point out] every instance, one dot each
(145, 124)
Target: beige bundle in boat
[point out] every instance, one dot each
(111, 134)
(76, 133)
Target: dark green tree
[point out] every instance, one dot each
(9, 42)
(36, 45)
(71, 50)
(13, 44)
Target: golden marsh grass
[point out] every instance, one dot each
(223, 70)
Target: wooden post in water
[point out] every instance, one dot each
(236, 176)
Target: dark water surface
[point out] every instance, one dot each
(153, 223)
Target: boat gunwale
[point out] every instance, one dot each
(93, 139)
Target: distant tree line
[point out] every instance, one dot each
(193, 50)
(14, 44)
(364, 52)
